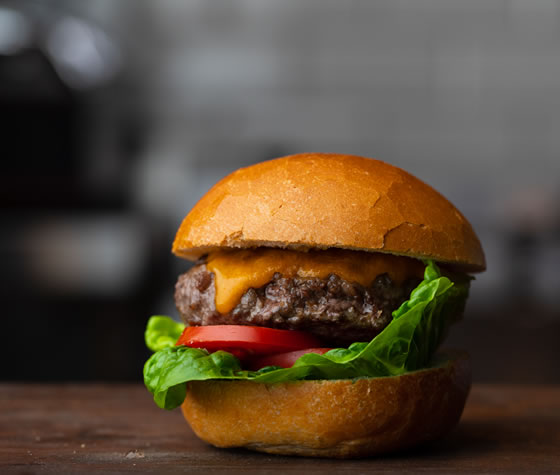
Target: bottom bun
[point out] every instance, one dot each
(342, 418)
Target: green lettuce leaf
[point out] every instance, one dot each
(406, 344)
(162, 332)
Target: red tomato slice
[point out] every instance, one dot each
(284, 360)
(240, 339)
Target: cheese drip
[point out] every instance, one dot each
(235, 272)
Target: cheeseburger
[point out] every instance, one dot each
(322, 287)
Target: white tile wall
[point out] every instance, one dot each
(464, 94)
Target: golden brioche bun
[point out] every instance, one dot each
(316, 200)
(342, 418)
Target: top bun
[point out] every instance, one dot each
(317, 200)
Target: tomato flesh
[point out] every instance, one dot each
(246, 341)
(284, 360)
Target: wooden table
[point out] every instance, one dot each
(117, 428)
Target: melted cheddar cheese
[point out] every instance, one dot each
(235, 272)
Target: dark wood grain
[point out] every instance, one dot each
(117, 428)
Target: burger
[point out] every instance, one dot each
(322, 288)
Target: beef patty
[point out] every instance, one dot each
(335, 310)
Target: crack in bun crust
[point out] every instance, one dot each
(320, 201)
(341, 419)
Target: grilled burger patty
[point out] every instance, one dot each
(335, 310)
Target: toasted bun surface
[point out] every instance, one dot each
(331, 418)
(318, 200)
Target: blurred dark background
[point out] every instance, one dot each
(117, 115)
